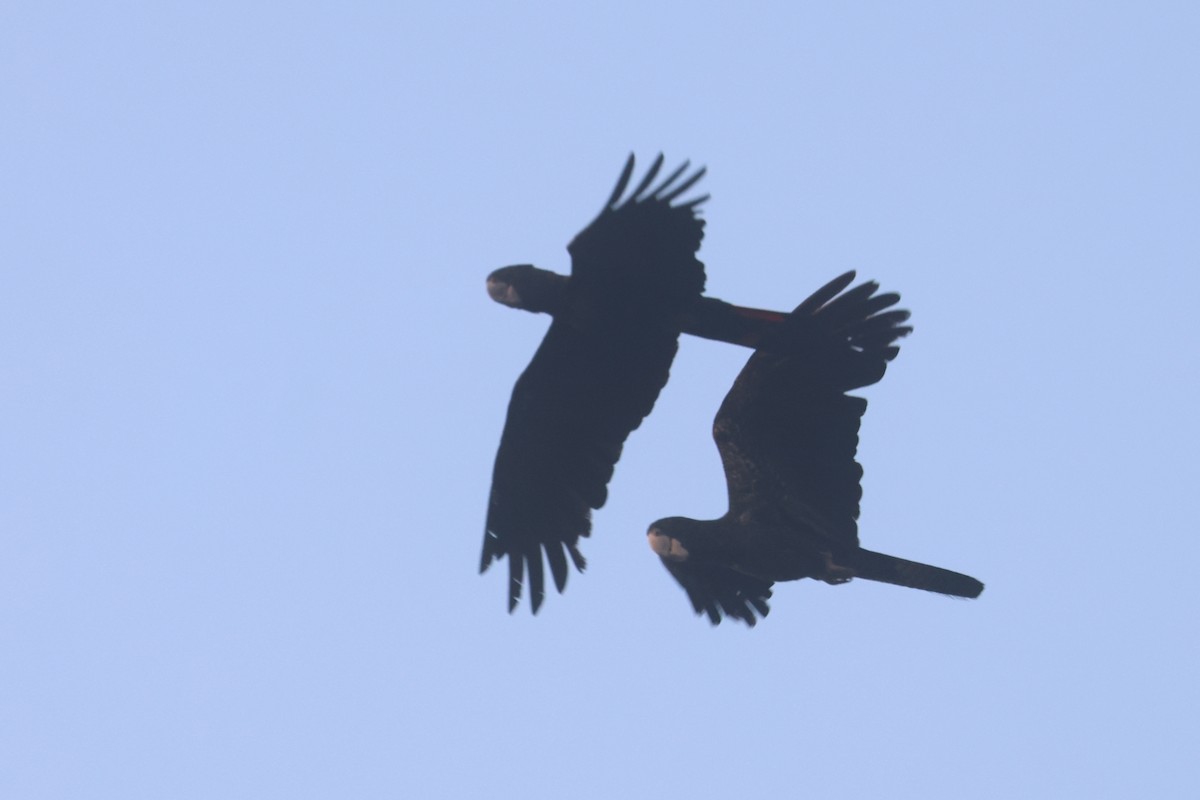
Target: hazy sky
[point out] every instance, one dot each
(251, 387)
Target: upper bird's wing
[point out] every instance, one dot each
(638, 256)
(594, 378)
(787, 431)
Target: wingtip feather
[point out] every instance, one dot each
(622, 182)
(647, 180)
(826, 293)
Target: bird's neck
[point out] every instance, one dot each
(546, 294)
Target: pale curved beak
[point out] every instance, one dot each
(503, 292)
(665, 546)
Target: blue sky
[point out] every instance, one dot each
(252, 387)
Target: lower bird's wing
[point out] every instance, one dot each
(718, 591)
(787, 431)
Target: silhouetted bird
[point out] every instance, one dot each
(635, 284)
(787, 433)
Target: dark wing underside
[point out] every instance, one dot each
(718, 591)
(570, 413)
(787, 431)
(594, 378)
(639, 256)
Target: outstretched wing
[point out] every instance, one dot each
(638, 257)
(594, 378)
(787, 431)
(718, 591)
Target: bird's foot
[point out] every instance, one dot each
(835, 573)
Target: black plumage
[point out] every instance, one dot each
(787, 434)
(635, 285)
